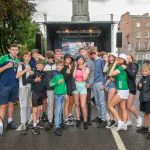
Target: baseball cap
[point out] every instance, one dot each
(114, 54)
(123, 56)
(93, 50)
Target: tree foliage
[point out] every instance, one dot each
(16, 25)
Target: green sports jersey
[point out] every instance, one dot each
(121, 79)
(8, 76)
(108, 69)
(58, 88)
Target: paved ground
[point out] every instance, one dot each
(75, 139)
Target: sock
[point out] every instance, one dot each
(9, 120)
(34, 124)
(38, 121)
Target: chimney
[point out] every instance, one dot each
(80, 11)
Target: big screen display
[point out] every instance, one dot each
(73, 47)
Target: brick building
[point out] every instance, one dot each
(135, 35)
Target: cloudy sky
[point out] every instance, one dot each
(100, 10)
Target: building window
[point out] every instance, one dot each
(147, 45)
(137, 46)
(138, 25)
(146, 34)
(129, 46)
(147, 25)
(137, 34)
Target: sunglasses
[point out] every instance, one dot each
(50, 58)
(93, 53)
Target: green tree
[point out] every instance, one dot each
(16, 25)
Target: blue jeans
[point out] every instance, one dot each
(59, 105)
(99, 96)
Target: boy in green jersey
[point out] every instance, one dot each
(9, 84)
(57, 81)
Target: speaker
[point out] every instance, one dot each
(119, 40)
(38, 44)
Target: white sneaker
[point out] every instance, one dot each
(124, 127)
(20, 127)
(120, 125)
(129, 123)
(138, 122)
(1, 127)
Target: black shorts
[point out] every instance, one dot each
(145, 107)
(132, 92)
(37, 98)
(44, 94)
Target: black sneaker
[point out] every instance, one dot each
(71, 118)
(58, 132)
(102, 124)
(78, 123)
(111, 125)
(96, 119)
(24, 129)
(148, 136)
(11, 125)
(40, 125)
(99, 120)
(63, 126)
(69, 122)
(48, 126)
(142, 130)
(85, 124)
(35, 130)
(29, 126)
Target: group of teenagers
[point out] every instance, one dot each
(50, 87)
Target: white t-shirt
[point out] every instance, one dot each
(27, 75)
(49, 67)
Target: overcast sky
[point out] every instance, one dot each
(100, 10)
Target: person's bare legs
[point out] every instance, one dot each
(124, 110)
(111, 94)
(38, 113)
(83, 106)
(71, 102)
(3, 111)
(44, 106)
(10, 109)
(130, 106)
(77, 105)
(115, 100)
(34, 116)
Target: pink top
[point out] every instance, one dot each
(79, 75)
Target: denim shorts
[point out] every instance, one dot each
(80, 88)
(110, 85)
(8, 94)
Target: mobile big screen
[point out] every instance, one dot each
(73, 47)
